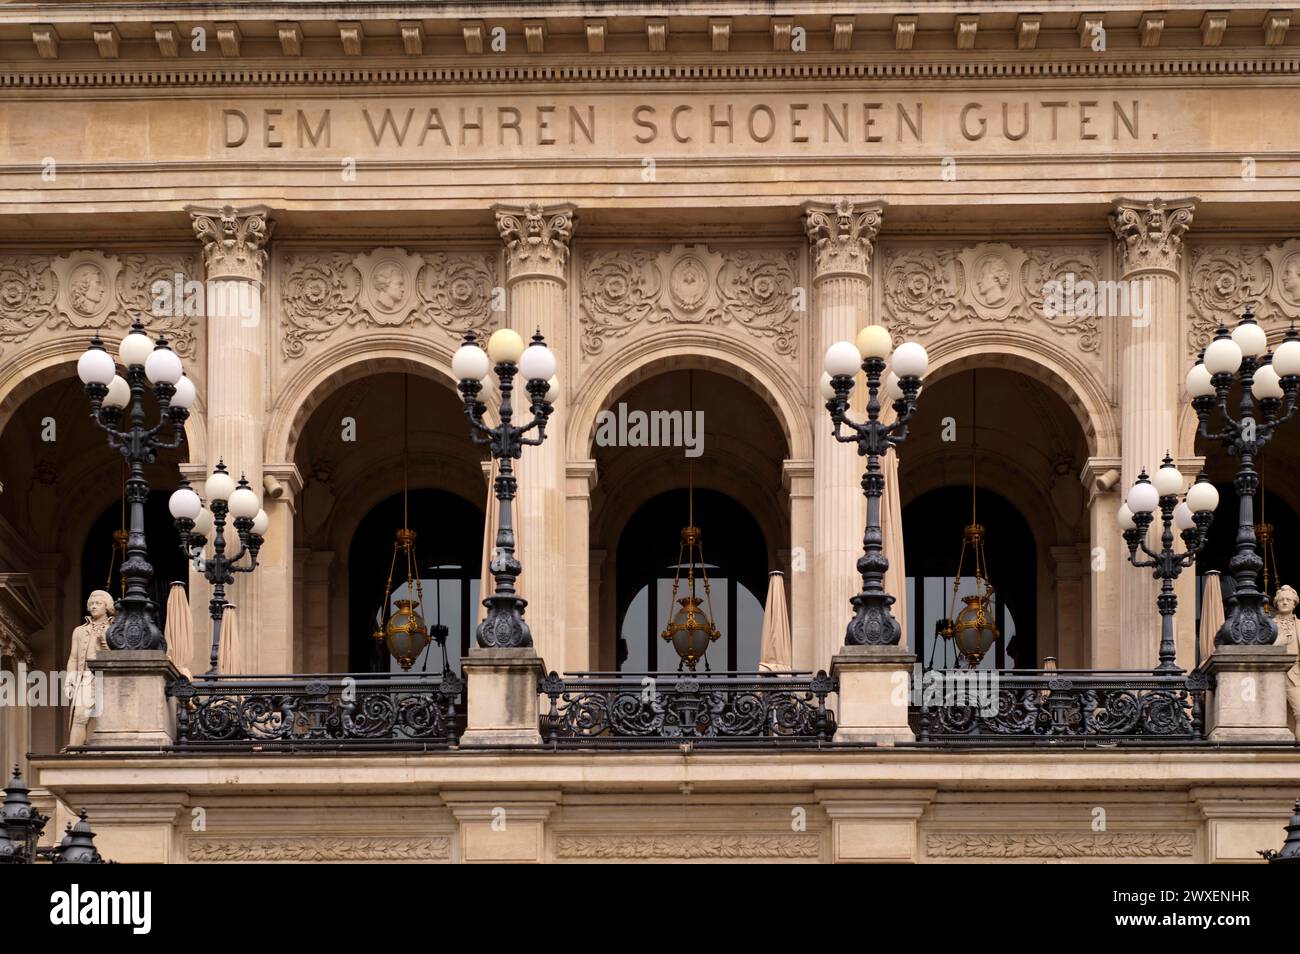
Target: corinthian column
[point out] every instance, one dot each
(234, 255)
(1150, 235)
(841, 235)
(537, 252)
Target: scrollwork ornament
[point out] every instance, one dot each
(320, 294)
(27, 293)
(456, 291)
(1223, 281)
(140, 286)
(920, 290)
(1070, 268)
(620, 288)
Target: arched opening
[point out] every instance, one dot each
(648, 553)
(1023, 447)
(350, 453)
(731, 452)
(448, 547)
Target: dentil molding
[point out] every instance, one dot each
(750, 290)
(989, 283)
(1224, 279)
(689, 846)
(1059, 844)
(320, 848)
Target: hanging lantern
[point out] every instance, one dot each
(1264, 534)
(691, 629)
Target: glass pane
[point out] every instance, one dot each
(634, 634)
(749, 627)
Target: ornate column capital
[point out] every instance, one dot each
(841, 235)
(537, 238)
(1152, 232)
(234, 240)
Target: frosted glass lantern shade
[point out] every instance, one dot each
(163, 366)
(1250, 338)
(119, 392)
(1286, 359)
(1223, 356)
(184, 504)
(828, 392)
(842, 359)
(1125, 517)
(261, 522)
(892, 390)
(135, 349)
(203, 522)
(505, 346)
(910, 360)
(1143, 497)
(552, 391)
(219, 486)
(185, 394)
(1203, 497)
(244, 503)
(1168, 482)
(470, 363)
(1266, 383)
(1183, 517)
(1198, 381)
(96, 367)
(874, 341)
(537, 363)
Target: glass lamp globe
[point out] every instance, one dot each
(184, 396)
(135, 349)
(1183, 517)
(203, 522)
(1223, 356)
(261, 523)
(1198, 381)
(163, 366)
(892, 389)
(505, 346)
(406, 634)
(119, 392)
(824, 384)
(470, 363)
(1143, 498)
(843, 360)
(184, 503)
(96, 367)
(243, 502)
(690, 631)
(974, 630)
(1168, 481)
(219, 486)
(875, 341)
(537, 363)
(1266, 383)
(1250, 338)
(552, 391)
(1125, 517)
(1286, 359)
(1203, 497)
(910, 360)
(487, 390)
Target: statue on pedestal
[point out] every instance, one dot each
(88, 641)
(1288, 634)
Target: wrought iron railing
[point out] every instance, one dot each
(1080, 704)
(343, 710)
(597, 708)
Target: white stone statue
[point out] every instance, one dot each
(88, 641)
(1288, 634)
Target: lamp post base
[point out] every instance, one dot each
(501, 686)
(873, 694)
(131, 695)
(1248, 702)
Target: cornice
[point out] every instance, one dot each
(642, 69)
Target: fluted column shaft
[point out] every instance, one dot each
(537, 253)
(1150, 234)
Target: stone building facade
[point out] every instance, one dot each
(683, 198)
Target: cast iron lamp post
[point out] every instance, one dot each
(1191, 516)
(1267, 397)
(194, 521)
(135, 626)
(21, 826)
(506, 356)
(873, 624)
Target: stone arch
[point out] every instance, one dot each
(741, 361)
(351, 360)
(1057, 368)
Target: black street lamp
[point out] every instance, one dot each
(1267, 397)
(1191, 516)
(21, 826)
(135, 626)
(1290, 853)
(873, 624)
(504, 625)
(194, 521)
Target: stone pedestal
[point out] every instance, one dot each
(501, 686)
(1248, 703)
(135, 709)
(873, 696)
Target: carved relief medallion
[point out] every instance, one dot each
(1284, 261)
(86, 287)
(388, 288)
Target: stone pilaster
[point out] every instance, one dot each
(235, 258)
(1150, 235)
(581, 478)
(537, 239)
(841, 236)
(1107, 562)
(799, 478)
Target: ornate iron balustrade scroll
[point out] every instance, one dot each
(632, 709)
